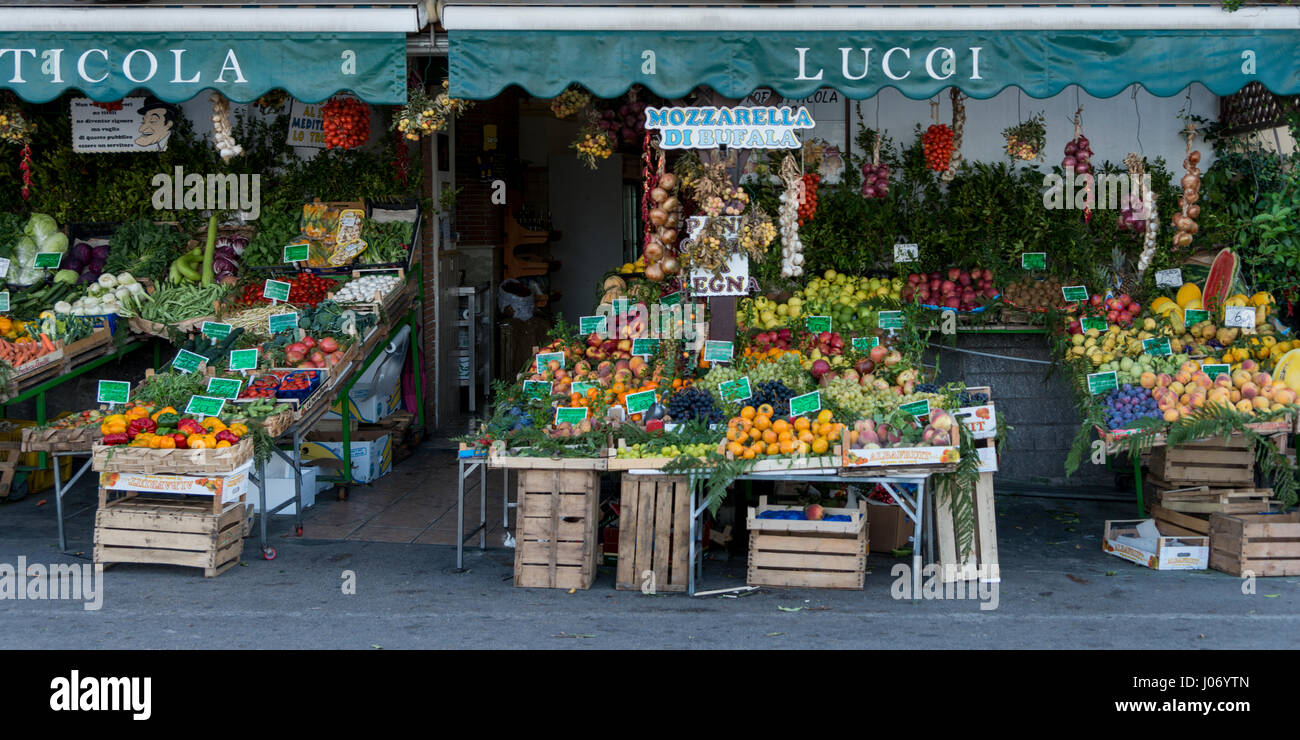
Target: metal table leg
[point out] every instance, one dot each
(460, 517)
(58, 504)
(261, 510)
(482, 507)
(916, 544)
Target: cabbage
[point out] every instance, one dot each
(80, 252)
(40, 226)
(68, 277)
(25, 251)
(55, 242)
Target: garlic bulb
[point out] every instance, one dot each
(791, 247)
(1153, 230)
(222, 134)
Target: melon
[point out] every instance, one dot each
(1218, 284)
(1188, 293)
(1287, 370)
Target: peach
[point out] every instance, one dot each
(1261, 403)
(1171, 415)
(1234, 395)
(1164, 379)
(1202, 379)
(1262, 379)
(1147, 380)
(1183, 377)
(1249, 366)
(1240, 378)
(1223, 381)
(1176, 388)
(1197, 400)
(1249, 391)
(1246, 407)
(1284, 396)
(1189, 367)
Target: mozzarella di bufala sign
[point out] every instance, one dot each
(758, 127)
(38, 67)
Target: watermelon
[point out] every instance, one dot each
(1218, 284)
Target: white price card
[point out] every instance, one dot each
(1172, 278)
(906, 252)
(1240, 317)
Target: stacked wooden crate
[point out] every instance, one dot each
(1195, 480)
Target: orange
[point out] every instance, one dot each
(780, 425)
(785, 436)
(747, 412)
(824, 416)
(732, 434)
(802, 449)
(770, 437)
(749, 454)
(787, 447)
(755, 433)
(819, 447)
(806, 436)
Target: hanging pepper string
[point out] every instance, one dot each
(26, 167)
(649, 178)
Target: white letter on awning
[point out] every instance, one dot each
(18, 62)
(153, 65)
(232, 64)
(177, 53)
(81, 64)
(844, 63)
(803, 72)
(885, 62)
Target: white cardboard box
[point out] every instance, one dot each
(279, 490)
(1163, 552)
(371, 458)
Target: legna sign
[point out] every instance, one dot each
(39, 67)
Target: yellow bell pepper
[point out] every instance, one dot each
(156, 442)
(210, 440)
(115, 424)
(222, 443)
(137, 412)
(213, 424)
(164, 410)
(196, 442)
(166, 443)
(238, 429)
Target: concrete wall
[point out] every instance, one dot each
(1039, 408)
(1114, 126)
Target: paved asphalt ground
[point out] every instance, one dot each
(1059, 590)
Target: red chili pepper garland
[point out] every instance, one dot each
(346, 122)
(26, 167)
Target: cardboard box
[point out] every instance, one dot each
(889, 528)
(891, 456)
(1156, 552)
(228, 487)
(371, 450)
(279, 490)
(982, 421)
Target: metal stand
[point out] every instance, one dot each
(468, 465)
(60, 488)
(295, 462)
(914, 508)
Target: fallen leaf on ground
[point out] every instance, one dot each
(1271, 596)
(1075, 578)
(42, 502)
(575, 636)
(774, 634)
(791, 608)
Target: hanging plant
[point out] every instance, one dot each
(423, 115)
(593, 145)
(16, 129)
(570, 102)
(1025, 141)
(728, 219)
(875, 174)
(273, 101)
(223, 137)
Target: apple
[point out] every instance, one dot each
(328, 345)
(878, 353)
(307, 341)
(292, 356)
(1095, 300)
(814, 512)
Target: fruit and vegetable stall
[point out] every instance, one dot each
(774, 327)
(252, 351)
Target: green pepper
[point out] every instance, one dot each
(168, 420)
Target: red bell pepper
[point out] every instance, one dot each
(181, 444)
(120, 438)
(140, 426)
(190, 426)
(225, 435)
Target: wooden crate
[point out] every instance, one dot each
(984, 548)
(218, 461)
(1264, 544)
(1222, 462)
(556, 529)
(75, 439)
(804, 554)
(165, 531)
(500, 457)
(1206, 500)
(654, 532)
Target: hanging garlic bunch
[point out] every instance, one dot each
(222, 134)
(791, 247)
(1152, 232)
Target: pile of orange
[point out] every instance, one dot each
(756, 434)
(772, 354)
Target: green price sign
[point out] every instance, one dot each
(1215, 370)
(621, 305)
(537, 388)
(282, 322)
(297, 252)
(1033, 260)
(736, 390)
(243, 359)
(113, 391)
(1093, 322)
(205, 406)
(917, 408)
(49, 260)
(864, 344)
(187, 362)
(672, 299)
(1075, 292)
(581, 388)
(645, 347)
(890, 319)
(4, 301)
(225, 387)
(818, 324)
(276, 290)
(593, 325)
(545, 358)
(1194, 316)
(1102, 382)
(639, 403)
(571, 414)
(1158, 346)
(718, 351)
(215, 330)
(806, 404)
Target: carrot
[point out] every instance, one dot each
(45, 342)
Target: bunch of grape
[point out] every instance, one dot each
(926, 388)
(775, 393)
(786, 369)
(693, 403)
(848, 396)
(966, 398)
(715, 377)
(936, 142)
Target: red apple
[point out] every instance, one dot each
(814, 512)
